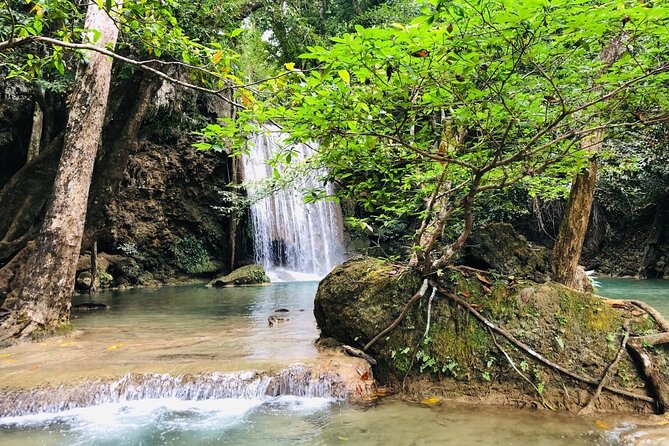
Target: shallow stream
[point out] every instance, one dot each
(188, 329)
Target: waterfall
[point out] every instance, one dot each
(292, 240)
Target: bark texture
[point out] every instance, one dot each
(654, 263)
(44, 300)
(567, 250)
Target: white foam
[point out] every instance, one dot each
(167, 413)
(284, 275)
(128, 413)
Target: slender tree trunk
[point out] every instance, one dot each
(44, 300)
(94, 269)
(234, 219)
(658, 234)
(36, 135)
(569, 243)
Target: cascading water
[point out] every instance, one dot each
(292, 240)
(296, 380)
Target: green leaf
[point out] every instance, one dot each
(346, 77)
(60, 66)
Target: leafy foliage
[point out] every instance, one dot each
(418, 119)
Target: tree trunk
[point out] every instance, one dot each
(233, 218)
(94, 269)
(654, 253)
(569, 243)
(36, 135)
(44, 300)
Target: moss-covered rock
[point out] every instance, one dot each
(580, 331)
(246, 275)
(499, 247)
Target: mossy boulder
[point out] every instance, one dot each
(458, 354)
(246, 275)
(499, 247)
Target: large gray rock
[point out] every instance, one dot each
(499, 247)
(246, 275)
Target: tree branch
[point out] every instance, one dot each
(610, 369)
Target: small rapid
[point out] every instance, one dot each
(296, 380)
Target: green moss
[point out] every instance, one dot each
(585, 312)
(246, 275)
(642, 325)
(105, 278)
(191, 256)
(62, 328)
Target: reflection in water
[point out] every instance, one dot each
(173, 330)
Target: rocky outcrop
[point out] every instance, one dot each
(246, 275)
(112, 271)
(499, 247)
(440, 343)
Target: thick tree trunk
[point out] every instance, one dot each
(569, 243)
(44, 300)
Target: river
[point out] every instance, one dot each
(194, 329)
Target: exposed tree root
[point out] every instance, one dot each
(659, 319)
(609, 370)
(513, 365)
(421, 292)
(654, 339)
(534, 355)
(664, 325)
(634, 345)
(656, 385)
(636, 348)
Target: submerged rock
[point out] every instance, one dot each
(246, 275)
(457, 353)
(90, 306)
(273, 321)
